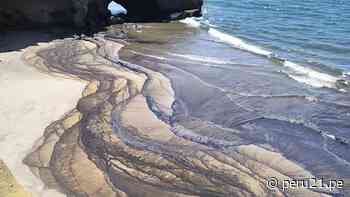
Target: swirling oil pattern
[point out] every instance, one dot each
(227, 98)
(173, 110)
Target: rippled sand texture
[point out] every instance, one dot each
(124, 139)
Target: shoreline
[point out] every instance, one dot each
(166, 125)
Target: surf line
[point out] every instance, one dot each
(295, 71)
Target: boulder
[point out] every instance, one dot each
(35, 13)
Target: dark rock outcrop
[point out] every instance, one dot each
(34, 13)
(154, 10)
(16, 14)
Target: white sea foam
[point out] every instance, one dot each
(238, 43)
(229, 39)
(330, 136)
(310, 76)
(204, 59)
(191, 22)
(208, 24)
(197, 22)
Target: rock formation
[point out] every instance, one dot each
(89, 13)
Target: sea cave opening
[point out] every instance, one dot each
(136, 11)
(117, 12)
(116, 9)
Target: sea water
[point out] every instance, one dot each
(309, 37)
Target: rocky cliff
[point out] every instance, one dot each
(29, 13)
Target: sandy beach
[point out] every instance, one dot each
(29, 102)
(91, 117)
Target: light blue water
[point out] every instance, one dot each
(315, 33)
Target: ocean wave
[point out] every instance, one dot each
(330, 136)
(297, 72)
(310, 76)
(191, 22)
(197, 23)
(204, 59)
(238, 43)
